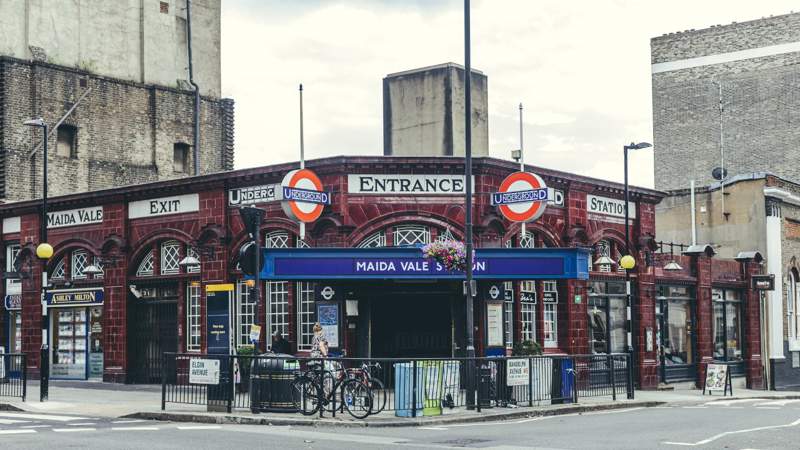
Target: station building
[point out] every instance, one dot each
(114, 326)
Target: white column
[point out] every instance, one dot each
(775, 298)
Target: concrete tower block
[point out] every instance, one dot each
(423, 112)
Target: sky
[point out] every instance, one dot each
(581, 69)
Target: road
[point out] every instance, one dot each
(727, 424)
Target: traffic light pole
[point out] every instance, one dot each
(252, 218)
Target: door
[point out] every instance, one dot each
(152, 331)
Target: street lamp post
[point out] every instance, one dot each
(628, 261)
(469, 288)
(44, 252)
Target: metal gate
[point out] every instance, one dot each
(152, 331)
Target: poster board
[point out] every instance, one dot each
(718, 378)
(328, 314)
(494, 324)
(218, 319)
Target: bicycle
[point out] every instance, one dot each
(316, 389)
(375, 385)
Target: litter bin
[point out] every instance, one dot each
(270, 384)
(563, 381)
(433, 381)
(487, 386)
(408, 404)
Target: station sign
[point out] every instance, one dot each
(522, 197)
(253, 194)
(596, 204)
(164, 206)
(74, 297)
(74, 217)
(302, 195)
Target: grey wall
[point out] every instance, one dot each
(126, 39)
(761, 99)
(424, 112)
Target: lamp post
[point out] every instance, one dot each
(469, 287)
(628, 262)
(44, 251)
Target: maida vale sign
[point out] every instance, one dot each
(73, 217)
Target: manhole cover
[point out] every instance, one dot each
(463, 442)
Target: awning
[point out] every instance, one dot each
(408, 263)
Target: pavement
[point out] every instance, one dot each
(114, 401)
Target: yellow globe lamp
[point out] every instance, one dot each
(627, 262)
(44, 251)
(250, 283)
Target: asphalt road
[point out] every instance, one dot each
(736, 424)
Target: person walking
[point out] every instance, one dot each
(280, 344)
(319, 345)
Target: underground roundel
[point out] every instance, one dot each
(522, 197)
(303, 197)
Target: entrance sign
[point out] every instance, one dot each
(74, 297)
(164, 206)
(522, 197)
(203, 371)
(408, 263)
(303, 197)
(609, 206)
(328, 315)
(518, 372)
(73, 217)
(406, 184)
(253, 194)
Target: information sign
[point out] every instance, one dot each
(494, 324)
(204, 371)
(518, 372)
(329, 320)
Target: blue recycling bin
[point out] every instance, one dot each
(405, 401)
(567, 380)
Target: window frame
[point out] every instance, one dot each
(193, 316)
(184, 148)
(73, 140)
(170, 261)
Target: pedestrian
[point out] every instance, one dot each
(280, 344)
(319, 345)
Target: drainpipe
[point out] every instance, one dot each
(196, 132)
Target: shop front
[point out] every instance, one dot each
(76, 337)
(675, 332)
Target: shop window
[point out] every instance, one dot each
(193, 318)
(727, 324)
(65, 141)
(59, 272)
(245, 313)
(528, 310)
(306, 315)
(508, 313)
(607, 317)
(145, 268)
(170, 257)
(180, 157)
(411, 235)
(376, 240)
(792, 306)
(79, 261)
(674, 328)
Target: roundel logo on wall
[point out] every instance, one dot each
(522, 197)
(303, 198)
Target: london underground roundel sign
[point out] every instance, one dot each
(522, 197)
(303, 197)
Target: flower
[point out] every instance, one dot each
(451, 254)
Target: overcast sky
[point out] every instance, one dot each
(581, 68)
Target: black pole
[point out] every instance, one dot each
(628, 298)
(196, 128)
(257, 286)
(44, 365)
(468, 290)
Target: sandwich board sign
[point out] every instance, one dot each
(718, 378)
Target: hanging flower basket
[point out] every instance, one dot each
(450, 254)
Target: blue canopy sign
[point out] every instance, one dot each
(408, 263)
(74, 297)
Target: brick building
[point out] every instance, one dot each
(135, 123)
(145, 303)
(729, 89)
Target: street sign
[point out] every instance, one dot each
(518, 372)
(204, 371)
(303, 197)
(764, 282)
(522, 197)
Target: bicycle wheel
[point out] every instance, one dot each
(378, 396)
(305, 396)
(327, 384)
(356, 398)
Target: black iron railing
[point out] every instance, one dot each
(13, 377)
(407, 387)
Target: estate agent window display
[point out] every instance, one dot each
(727, 327)
(675, 313)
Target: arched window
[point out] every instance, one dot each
(145, 268)
(447, 236)
(411, 235)
(58, 271)
(80, 260)
(373, 241)
(170, 257)
(277, 291)
(527, 240)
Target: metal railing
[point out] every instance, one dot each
(13, 376)
(407, 387)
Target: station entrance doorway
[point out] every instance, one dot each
(412, 320)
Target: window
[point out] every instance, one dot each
(727, 324)
(59, 272)
(245, 313)
(550, 325)
(80, 260)
(508, 312)
(170, 257)
(193, 318)
(675, 306)
(146, 266)
(12, 251)
(447, 236)
(180, 158)
(411, 235)
(277, 291)
(65, 141)
(607, 317)
(527, 240)
(528, 310)
(306, 315)
(376, 240)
